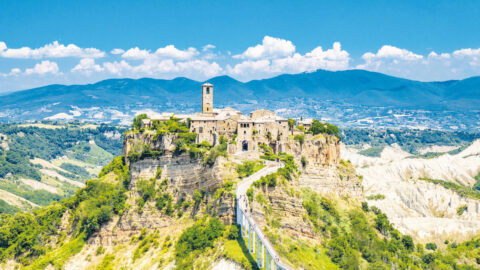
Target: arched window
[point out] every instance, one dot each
(208, 90)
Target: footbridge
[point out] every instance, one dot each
(258, 244)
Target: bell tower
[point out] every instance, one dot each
(207, 98)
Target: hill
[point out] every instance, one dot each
(382, 99)
(41, 163)
(170, 203)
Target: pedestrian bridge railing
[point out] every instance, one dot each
(258, 244)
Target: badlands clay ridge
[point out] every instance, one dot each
(425, 210)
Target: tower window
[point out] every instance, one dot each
(208, 90)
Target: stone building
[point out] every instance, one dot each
(243, 132)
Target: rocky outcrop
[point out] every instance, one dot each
(319, 150)
(183, 175)
(135, 141)
(322, 169)
(290, 205)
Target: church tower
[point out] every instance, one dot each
(207, 98)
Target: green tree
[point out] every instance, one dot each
(137, 121)
(291, 124)
(408, 242)
(431, 246)
(319, 127)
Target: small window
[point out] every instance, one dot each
(208, 90)
(200, 129)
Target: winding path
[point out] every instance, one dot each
(266, 255)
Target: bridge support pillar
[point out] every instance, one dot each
(254, 237)
(267, 262)
(249, 239)
(263, 255)
(258, 253)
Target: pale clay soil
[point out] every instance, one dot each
(426, 211)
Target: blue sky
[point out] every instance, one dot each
(44, 42)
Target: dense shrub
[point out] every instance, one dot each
(119, 168)
(372, 151)
(355, 238)
(461, 209)
(215, 152)
(299, 138)
(319, 127)
(95, 204)
(196, 239)
(23, 234)
(248, 168)
(137, 121)
(431, 246)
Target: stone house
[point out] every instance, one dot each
(244, 133)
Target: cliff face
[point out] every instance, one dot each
(317, 158)
(323, 171)
(181, 175)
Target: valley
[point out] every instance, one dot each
(41, 163)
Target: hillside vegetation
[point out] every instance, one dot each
(348, 234)
(46, 162)
(124, 220)
(410, 140)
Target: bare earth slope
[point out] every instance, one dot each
(425, 210)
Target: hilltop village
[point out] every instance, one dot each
(259, 128)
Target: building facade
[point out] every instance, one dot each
(244, 133)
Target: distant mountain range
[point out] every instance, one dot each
(357, 88)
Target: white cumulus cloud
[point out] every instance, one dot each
(165, 68)
(389, 55)
(43, 68)
(52, 50)
(270, 48)
(467, 52)
(271, 57)
(13, 72)
(136, 53)
(208, 47)
(87, 66)
(117, 51)
(167, 52)
(171, 52)
(431, 67)
(116, 67)
(330, 59)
